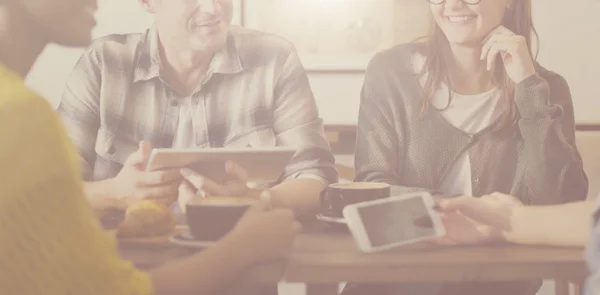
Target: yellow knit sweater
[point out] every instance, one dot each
(50, 242)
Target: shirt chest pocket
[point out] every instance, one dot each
(113, 148)
(261, 137)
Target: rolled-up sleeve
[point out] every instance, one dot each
(297, 124)
(79, 109)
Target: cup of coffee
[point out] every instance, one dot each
(338, 195)
(211, 218)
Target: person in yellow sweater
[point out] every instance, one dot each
(50, 242)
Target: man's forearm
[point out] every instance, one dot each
(207, 272)
(560, 225)
(301, 195)
(99, 192)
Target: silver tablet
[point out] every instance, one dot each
(262, 164)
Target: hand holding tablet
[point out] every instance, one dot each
(133, 183)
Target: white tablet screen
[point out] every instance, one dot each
(396, 222)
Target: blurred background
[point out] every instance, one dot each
(569, 44)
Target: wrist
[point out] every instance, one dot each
(101, 194)
(490, 234)
(235, 246)
(501, 230)
(102, 189)
(526, 75)
(509, 234)
(522, 88)
(254, 193)
(114, 190)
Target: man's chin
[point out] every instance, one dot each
(213, 44)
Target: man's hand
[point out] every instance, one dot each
(133, 183)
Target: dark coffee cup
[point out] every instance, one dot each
(337, 196)
(211, 218)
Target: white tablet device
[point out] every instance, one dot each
(392, 222)
(262, 164)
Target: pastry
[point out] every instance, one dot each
(145, 219)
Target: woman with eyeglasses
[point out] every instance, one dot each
(469, 112)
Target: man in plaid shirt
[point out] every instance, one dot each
(192, 81)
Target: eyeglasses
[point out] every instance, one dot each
(468, 2)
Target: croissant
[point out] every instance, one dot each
(146, 218)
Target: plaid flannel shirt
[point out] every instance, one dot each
(256, 93)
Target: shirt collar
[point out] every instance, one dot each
(147, 65)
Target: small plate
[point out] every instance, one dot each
(185, 239)
(329, 219)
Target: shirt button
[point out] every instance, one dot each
(477, 179)
(174, 103)
(112, 150)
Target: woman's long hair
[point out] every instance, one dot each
(436, 69)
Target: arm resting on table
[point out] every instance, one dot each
(560, 225)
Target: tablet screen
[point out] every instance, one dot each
(398, 221)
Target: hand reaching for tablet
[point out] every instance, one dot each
(133, 183)
(461, 230)
(234, 186)
(470, 220)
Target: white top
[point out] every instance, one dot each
(471, 114)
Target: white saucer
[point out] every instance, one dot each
(337, 220)
(185, 239)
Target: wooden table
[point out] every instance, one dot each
(323, 260)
